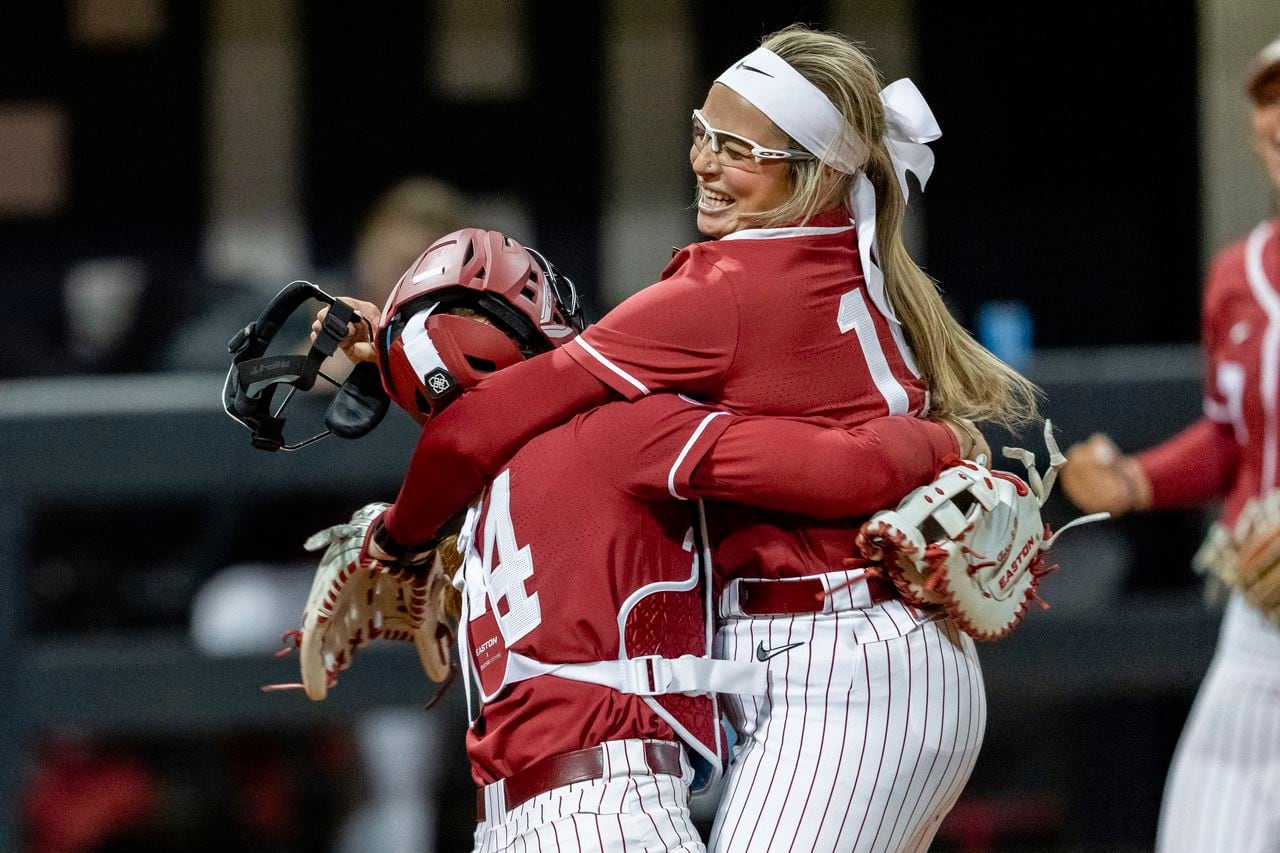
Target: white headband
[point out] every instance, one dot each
(798, 107)
(805, 114)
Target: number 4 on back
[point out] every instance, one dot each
(507, 577)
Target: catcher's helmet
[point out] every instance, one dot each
(428, 354)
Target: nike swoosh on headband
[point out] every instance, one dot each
(747, 67)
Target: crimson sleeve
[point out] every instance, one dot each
(1195, 466)
(799, 467)
(466, 445)
(647, 448)
(680, 334)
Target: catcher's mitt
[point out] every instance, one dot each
(1247, 556)
(972, 542)
(353, 602)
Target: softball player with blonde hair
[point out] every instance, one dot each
(805, 303)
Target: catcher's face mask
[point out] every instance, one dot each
(255, 377)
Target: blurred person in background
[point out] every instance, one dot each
(1227, 764)
(82, 795)
(403, 221)
(128, 314)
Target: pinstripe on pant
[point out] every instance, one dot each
(627, 810)
(1223, 789)
(866, 738)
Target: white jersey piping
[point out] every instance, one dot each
(785, 233)
(684, 451)
(1264, 291)
(591, 351)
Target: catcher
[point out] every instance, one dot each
(1228, 755)
(590, 526)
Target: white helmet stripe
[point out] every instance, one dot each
(418, 347)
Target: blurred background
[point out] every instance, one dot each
(165, 167)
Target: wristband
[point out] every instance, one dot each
(400, 555)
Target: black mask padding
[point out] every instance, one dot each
(268, 434)
(360, 403)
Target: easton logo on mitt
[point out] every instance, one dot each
(972, 541)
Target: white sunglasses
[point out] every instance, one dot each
(722, 142)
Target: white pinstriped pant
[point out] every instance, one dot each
(1223, 791)
(868, 734)
(624, 811)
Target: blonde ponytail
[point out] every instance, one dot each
(963, 377)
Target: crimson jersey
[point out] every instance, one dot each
(588, 516)
(763, 321)
(1233, 449)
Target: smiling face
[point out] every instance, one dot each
(1266, 126)
(732, 194)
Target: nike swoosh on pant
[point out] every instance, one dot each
(764, 654)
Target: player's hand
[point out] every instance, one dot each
(969, 438)
(358, 344)
(1099, 478)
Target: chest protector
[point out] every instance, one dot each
(671, 616)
